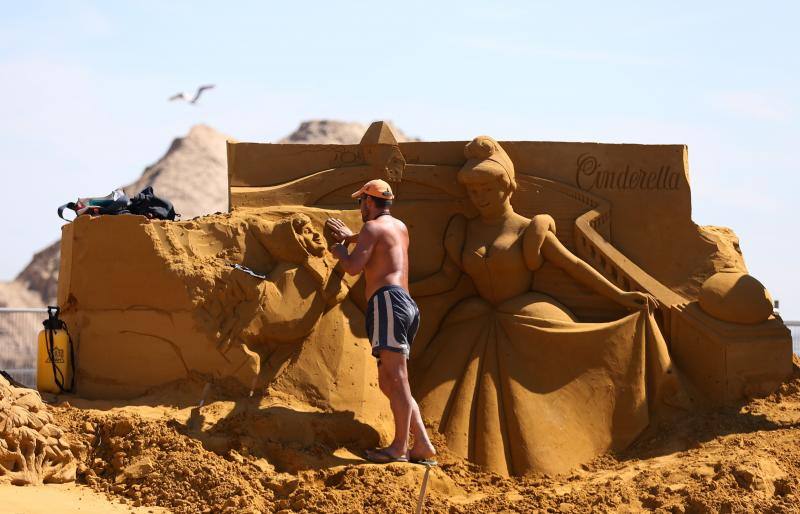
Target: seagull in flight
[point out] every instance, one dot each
(195, 98)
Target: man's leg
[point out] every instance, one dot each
(393, 377)
(423, 448)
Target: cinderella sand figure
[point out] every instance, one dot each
(511, 378)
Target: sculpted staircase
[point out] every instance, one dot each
(726, 361)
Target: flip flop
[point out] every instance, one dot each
(381, 456)
(430, 462)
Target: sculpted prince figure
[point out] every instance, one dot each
(392, 317)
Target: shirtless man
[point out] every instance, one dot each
(392, 317)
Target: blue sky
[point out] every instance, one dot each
(83, 109)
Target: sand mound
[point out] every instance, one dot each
(742, 459)
(151, 463)
(32, 449)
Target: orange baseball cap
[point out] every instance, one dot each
(377, 188)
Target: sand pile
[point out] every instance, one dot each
(151, 463)
(33, 450)
(742, 459)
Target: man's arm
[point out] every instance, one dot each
(354, 263)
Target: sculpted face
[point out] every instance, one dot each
(488, 196)
(311, 239)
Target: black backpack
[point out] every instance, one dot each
(115, 203)
(145, 204)
(148, 204)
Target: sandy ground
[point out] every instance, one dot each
(227, 457)
(65, 498)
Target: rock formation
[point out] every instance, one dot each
(41, 275)
(192, 174)
(324, 132)
(15, 293)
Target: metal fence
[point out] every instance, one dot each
(18, 332)
(794, 326)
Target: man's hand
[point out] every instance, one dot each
(340, 232)
(638, 301)
(339, 250)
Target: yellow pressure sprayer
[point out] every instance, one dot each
(55, 370)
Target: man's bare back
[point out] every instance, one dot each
(388, 264)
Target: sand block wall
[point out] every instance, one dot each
(151, 302)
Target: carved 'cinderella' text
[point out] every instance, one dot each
(590, 174)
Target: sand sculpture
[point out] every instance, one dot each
(33, 450)
(526, 359)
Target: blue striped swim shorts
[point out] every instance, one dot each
(392, 320)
